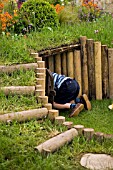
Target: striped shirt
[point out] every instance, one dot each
(58, 80)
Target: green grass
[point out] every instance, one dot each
(17, 141)
(17, 103)
(18, 78)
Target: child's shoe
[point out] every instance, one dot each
(76, 110)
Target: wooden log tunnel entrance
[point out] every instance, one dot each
(89, 62)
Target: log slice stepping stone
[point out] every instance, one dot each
(97, 161)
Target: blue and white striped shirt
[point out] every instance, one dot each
(59, 79)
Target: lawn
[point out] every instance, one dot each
(17, 141)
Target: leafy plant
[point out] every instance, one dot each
(37, 13)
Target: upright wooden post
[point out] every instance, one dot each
(105, 88)
(84, 65)
(77, 69)
(58, 64)
(64, 63)
(51, 63)
(70, 64)
(98, 70)
(110, 59)
(91, 67)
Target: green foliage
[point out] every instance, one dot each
(69, 15)
(37, 14)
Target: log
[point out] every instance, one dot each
(98, 70)
(40, 64)
(91, 68)
(88, 133)
(105, 87)
(59, 120)
(67, 124)
(40, 75)
(40, 70)
(99, 136)
(36, 56)
(52, 114)
(70, 69)
(48, 106)
(64, 64)
(51, 63)
(19, 90)
(42, 99)
(25, 115)
(57, 142)
(79, 129)
(58, 64)
(110, 60)
(41, 81)
(77, 69)
(40, 92)
(84, 65)
(12, 68)
(54, 51)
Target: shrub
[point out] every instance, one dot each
(38, 14)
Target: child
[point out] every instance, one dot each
(67, 90)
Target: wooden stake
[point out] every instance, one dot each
(98, 70)
(84, 65)
(41, 81)
(79, 128)
(59, 120)
(56, 142)
(91, 68)
(99, 136)
(51, 63)
(48, 106)
(52, 114)
(69, 125)
(58, 63)
(40, 75)
(88, 133)
(43, 100)
(41, 64)
(40, 92)
(105, 68)
(70, 65)
(40, 70)
(77, 69)
(110, 59)
(64, 63)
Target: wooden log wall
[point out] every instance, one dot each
(89, 62)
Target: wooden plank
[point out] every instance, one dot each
(51, 63)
